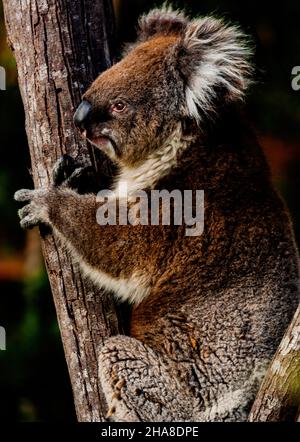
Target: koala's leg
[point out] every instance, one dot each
(140, 385)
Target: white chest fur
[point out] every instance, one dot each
(133, 289)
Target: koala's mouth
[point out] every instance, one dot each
(105, 143)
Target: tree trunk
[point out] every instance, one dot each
(60, 47)
(279, 395)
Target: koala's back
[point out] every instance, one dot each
(220, 309)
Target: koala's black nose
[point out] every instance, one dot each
(82, 113)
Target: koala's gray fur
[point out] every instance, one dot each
(207, 312)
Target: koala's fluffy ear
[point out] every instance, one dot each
(215, 61)
(163, 21)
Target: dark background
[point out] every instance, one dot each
(34, 382)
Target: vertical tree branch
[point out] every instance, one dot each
(279, 395)
(60, 47)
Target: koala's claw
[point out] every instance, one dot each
(36, 211)
(79, 177)
(29, 216)
(29, 222)
(68, 173)
(24, 195)
(22, 213)
(63, 169)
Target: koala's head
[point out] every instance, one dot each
(179, 69)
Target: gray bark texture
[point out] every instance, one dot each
(279, 395)
(60, 47)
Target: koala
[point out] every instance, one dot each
(207, 311)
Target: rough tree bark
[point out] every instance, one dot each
(60, 47)
(279, 395)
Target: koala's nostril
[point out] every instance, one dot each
(82, 113)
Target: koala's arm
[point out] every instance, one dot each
(138, 382)
(73, 219)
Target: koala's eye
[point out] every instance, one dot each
(119, 106)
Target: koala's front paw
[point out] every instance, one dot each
(63, 169)
(67, 173)
(36, 212)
